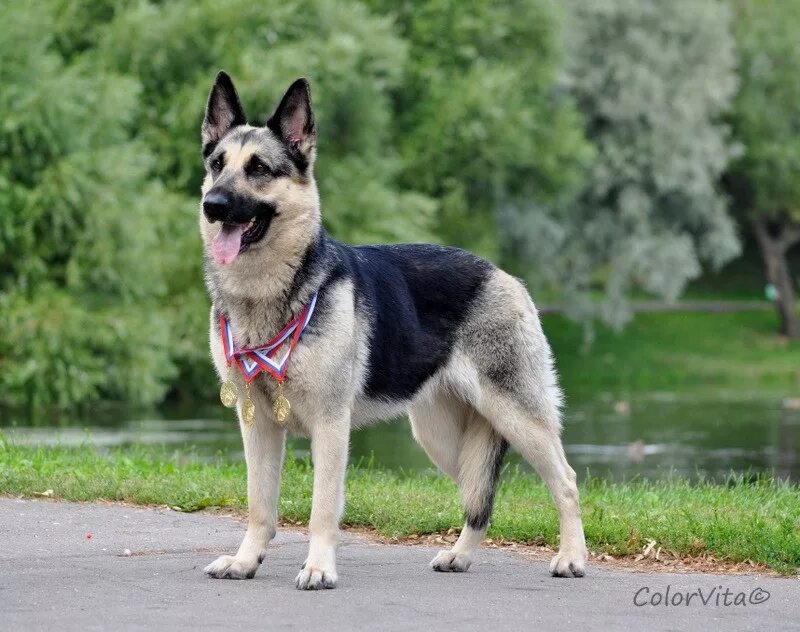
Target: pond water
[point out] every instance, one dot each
(653, 436)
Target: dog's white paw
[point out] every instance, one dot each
(231, 567)
(315, 578)
(451, 562)
(569, 563)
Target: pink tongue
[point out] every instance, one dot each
(226, 244)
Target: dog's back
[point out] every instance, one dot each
(415, 299)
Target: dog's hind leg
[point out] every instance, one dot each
(263, 450)
(464, 446)
(479, 459)
(504, 368)
(535, 433)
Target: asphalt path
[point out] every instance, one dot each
(67, 566)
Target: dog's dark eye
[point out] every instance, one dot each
(257, 167)
(218, 163)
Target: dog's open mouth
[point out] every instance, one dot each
(233, 239)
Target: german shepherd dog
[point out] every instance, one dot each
(429, 330)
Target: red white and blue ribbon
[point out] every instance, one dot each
(254, 360)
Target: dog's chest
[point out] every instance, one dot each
(254, 326)
(320, 365)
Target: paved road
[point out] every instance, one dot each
(53, 577)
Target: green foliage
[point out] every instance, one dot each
(351, 57)
(743, 520)
(101, 166)
(478, 123)
(63, 348)
(102, 294)
(764, 180)
(80, 226)
(439, 121)
(652, 80)
(765, 117)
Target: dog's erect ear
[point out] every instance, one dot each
(294, 119)
(223, 112)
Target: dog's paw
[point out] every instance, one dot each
(231, 567)
(451, 562)
(315, 578)
(569, 563)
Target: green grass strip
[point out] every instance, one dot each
(737, 353)
(745, 519)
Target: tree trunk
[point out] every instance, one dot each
(773, 251)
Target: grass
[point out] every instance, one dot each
(692, 353)
(757, 520)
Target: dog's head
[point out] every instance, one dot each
(259, 186)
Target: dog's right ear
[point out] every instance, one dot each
(223, 112)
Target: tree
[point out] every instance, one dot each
(81, 284)
(766, 178)
(101, 169)
(439, 121)
(477, 121)
(653, 80)
(351, 57)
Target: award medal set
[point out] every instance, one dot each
(262, 359)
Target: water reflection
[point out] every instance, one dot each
(653, 437)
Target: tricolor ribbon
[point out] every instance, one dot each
(253, 361)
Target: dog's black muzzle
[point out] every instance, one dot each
(221, 205)
(217, 205)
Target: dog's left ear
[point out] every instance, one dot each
(294, 119)
(223, 112)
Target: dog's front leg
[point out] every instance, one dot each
(329, 443)
(263, 450)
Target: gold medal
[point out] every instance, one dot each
(248, 409)
(281, 408)
(228, 393)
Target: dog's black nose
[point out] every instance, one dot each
(216, 205)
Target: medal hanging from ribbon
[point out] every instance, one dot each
(263, 359)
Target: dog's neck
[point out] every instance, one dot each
(269, 287)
